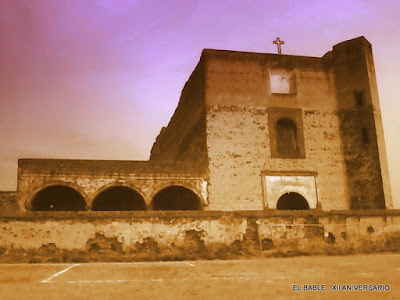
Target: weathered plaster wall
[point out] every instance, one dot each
(34, 233)
(307, 232)
(92, 177)
(239, 138)
(236, 145)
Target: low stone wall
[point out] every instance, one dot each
(8, 202)
(68, 236)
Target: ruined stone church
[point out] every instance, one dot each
(252, 131)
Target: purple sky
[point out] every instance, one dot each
(99, 78)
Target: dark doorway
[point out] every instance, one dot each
(292, 201)
(119, 198)
(176, 198)
(58, 198)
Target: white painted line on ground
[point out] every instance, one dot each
(35, 264)
(144, 262)
(192, 265)
(59, 273)
(160, 280)
(398, 269)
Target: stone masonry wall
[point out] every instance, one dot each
(237, 149)
(360, 125)
(239, 153)
(238, 137)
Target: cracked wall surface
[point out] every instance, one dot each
(201, 231)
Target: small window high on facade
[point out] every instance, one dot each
(364, 135)
(282, 82)
(359, 98)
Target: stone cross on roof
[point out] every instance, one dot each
(278, 43)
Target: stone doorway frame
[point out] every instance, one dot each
(286, 182)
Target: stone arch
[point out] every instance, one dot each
(118, 198)
(189, 186)
(58, 197)
(176, 197)
(113, 184)
(37, 188)
(292, 201)
(286, 136)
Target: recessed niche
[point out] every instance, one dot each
(282, 81)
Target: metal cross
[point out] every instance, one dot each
(278, 43)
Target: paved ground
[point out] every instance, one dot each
(272, 278)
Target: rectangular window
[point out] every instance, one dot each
(364, 135)
(359, 98)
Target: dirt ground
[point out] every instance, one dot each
(272, 278)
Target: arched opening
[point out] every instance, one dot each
(117, 198)
(292, 201)
(58, 198)
(176, 198)
(286, 136)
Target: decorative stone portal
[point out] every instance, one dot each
(176, 198)
(118, 198)
(286, 191)
(58, 198)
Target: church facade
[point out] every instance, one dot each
(252, 131)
